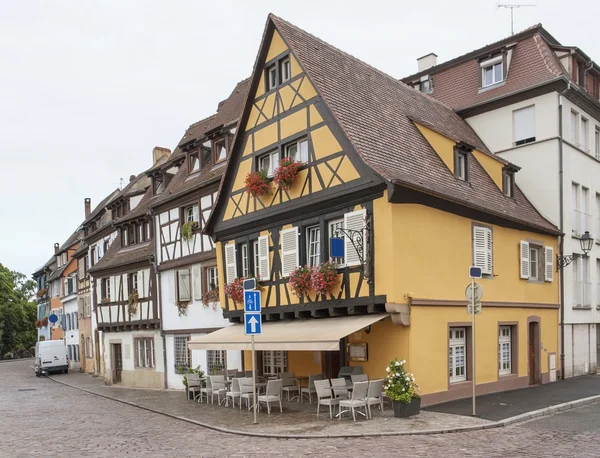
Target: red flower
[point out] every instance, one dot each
(286, 173)
(323, 278)
(300, 281)
(257, 183)
(235, 290)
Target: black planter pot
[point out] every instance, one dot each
(407, 410)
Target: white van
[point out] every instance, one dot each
(51, 356)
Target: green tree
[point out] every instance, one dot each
(18, 312)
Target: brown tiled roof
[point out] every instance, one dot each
(376, 112)
(102, 205)
(72, 240)
(457, 82)
(81, 249)
(50, 266)
(118, 256)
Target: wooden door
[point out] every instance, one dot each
(532, 351)
(330, 363)
(117, 362)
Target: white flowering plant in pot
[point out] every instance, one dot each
(400, 386)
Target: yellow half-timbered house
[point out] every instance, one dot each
(416, 197)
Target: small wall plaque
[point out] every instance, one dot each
(357, 352)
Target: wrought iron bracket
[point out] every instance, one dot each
(564, 261)
(357, 238)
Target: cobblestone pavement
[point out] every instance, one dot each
(39, 417)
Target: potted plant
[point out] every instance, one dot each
(181, 307)
(132, 302)
(212, 295)
(42, 292)
(323, 278)
(401, 388)
(44, 321)
(191, 370)
(235, 290)
(286, 173)
(257, 183)
(187, 230)
(300, 281)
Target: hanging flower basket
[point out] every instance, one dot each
(323, 278)
(286, 173)
(300, 281)
(44, 321)
(257, 183)
(133, 302)
(211, 296)
(401, 388)
(182, 307)
(187, 230)
(235, 290)
(42, 292)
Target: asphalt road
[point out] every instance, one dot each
(39, 417)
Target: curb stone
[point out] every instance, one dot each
(546, 411)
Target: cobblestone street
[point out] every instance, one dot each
(42, 418)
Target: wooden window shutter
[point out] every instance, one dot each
(230, 263)
(289, 251)
(197, 281)
(263, 257)
(118, 294)
(354, 221)
(482, 249)
(549, 264)
(524, 250)
(183, 285)
(113, 289)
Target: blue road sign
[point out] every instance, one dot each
(475, 272)
(249, 283)
(253, 323)
(251, 301)
(336, 247)
(52, 318)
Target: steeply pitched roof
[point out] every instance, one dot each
(102, 205)
(533, 63)
(48, 266)
(118, 256)
(377, 114)
(72, 240)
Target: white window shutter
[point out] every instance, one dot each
(524, 259)
(482, 249)
(183, 282)
(263, 257)
(549, 265)
(197, 281)
(112, 289)
(354, 221)
(196, 212)
(118, 295)
(144, 282)
(230, 263)
(289, 251)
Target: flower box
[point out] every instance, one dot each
(286, 173)
(402, 410)
(324, 278)
(257, 183)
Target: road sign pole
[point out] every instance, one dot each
(473, 337)
(253, 377)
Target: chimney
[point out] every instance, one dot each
(158, 153)
(56, 247)
(87, 202)
(427, 61)
(131, 178)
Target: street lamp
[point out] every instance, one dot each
(586, 241)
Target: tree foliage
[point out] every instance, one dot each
(18, 313)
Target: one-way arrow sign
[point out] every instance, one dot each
(253, 323)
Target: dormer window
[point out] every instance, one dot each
(158, 185)
(508, 183)
(461, 164)
(426, 85)
(492, 71)
(286, 70)
(220, 151)
(271, 76)
(205, 152)
(194, 163)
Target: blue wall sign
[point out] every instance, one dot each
(336, 247)
(475, 272)
(253, 323)
(251, 301)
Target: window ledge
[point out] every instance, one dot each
(491, 86)
(582, 307)
(507, 376)
(535, 282)
(459, 385)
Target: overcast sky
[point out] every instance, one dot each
(88, 88)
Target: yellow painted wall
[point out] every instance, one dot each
(304, 362)
(426, 253)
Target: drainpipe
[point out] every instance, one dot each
(562, 238)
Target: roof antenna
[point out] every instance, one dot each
(512, 8)
(121, 183)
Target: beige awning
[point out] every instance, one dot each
(318, 334)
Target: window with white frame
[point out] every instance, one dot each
(524, 125)
(216, 360)
(457, 355)
(508, 183)
(144, 352)
(269, 162)
(286, 70)
(461, 164)
(504, 350)
(492, 71)
(576, 209)
(574, 129)
(534, 262)
(192, 214)
(333, 226)
(275, 362)
(245, 260)
(183, 357)
(586, 282)
(132, 283)
(297, 150)
(212, 277)
(313, 246)
(597, 142)
(271, 76)
(256, 258)
(586, 213)
(584, 138)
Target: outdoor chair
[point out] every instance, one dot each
(358, 400)
(221, 372)
(240, 374)
(246, 391)
(206, 391)
(218, 388)
(289, 384)
(339, 388)
(359, 378)
(375, 395)
(310, 389)
(283, 375)
(273, 394)
(323, 389)
(231, 373)
(234, 393)
(194, 385)
(248, 373)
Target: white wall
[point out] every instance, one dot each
(126, 340)
(72, 335)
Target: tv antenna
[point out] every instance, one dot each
(512, 9)
(121, 183)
